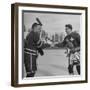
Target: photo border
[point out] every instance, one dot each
(14, 43)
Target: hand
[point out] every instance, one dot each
(77, 49)
(72, 50)
(40, 51)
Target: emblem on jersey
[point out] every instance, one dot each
(71, 39)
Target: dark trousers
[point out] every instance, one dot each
(30, 63)
(70, 69)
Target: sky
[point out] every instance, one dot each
(52, 22)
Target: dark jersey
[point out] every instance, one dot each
(32, 47)
(74, 38)
(33, 42)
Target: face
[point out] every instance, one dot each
(38, 28)
(68, 30)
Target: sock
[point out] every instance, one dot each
(70, 69)
(78, 69)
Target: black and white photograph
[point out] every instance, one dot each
(51, 44)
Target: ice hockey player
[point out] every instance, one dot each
(72, 42)
(32, 46)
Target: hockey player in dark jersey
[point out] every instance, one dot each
(33, 46)
(72, 42)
